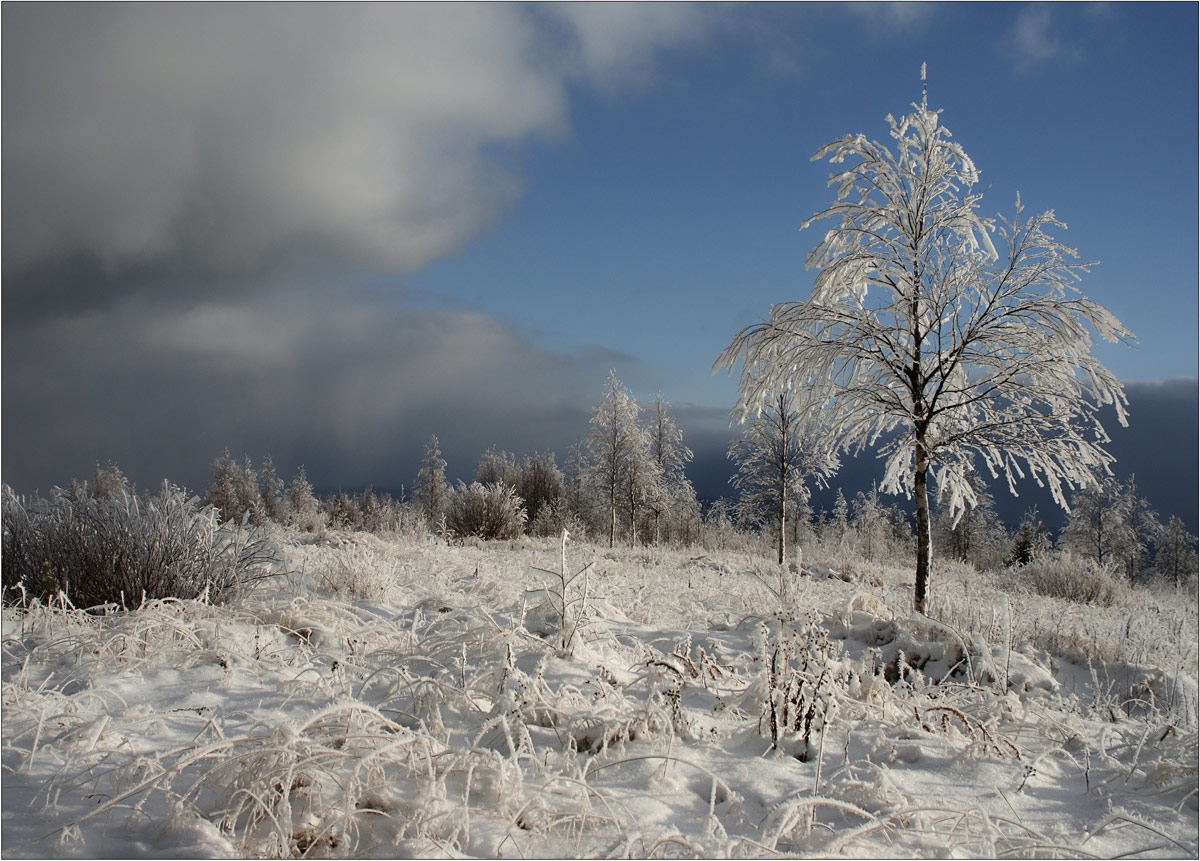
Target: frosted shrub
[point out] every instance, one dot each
(1073, 578)
(126, 547)
(553, 517)
(488, 511)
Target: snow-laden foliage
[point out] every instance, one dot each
(672, 499)
(976, 535)
(1176, 558)
(302, 510)
(431, 492)
(1062, 574)
(1112, 525)
(949, 341)
(234, 490)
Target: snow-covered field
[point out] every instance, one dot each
(412, 699)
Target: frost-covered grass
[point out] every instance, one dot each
(413, 699)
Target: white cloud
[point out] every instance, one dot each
(1032, 43)
(887, 19)
(615, 43)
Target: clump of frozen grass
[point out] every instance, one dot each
(352, 572)
(1073, 578)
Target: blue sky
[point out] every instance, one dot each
(325, 233)
(671, 216)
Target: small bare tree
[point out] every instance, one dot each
(923, 340)
(773, 461)
(432, 493)
(670, 456)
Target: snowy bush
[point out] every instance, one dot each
(487, 511)
(125, 547)
(1074, 578)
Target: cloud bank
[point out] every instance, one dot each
(194, 195)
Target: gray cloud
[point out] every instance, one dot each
(244, 135)
(234, 138)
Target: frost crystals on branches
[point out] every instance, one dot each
(936, 335)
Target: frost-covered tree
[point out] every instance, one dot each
(976, 534)
(303, 509)
(539, 482)
(673, 492)
(233, 489)
(577, 501)
(937, 335)
(496, 467)
(1176, 559)
(1147, 530)
(619, 453)
(431, 492)
(109, 482)
(1111, 525)
(642, 483)
(343, 511)
(1099, 527)
(837, 527)
(871, 525)
(271, 490)
(774, 458)
(1031, 540)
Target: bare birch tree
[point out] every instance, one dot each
(922, 339)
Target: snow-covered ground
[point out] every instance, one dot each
(398, 699)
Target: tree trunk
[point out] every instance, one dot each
(612, 510)
(784, 470)
(782, 542)
(924, 547)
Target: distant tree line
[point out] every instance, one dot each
(625, 482)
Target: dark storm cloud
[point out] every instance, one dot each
(1161, 446)
(353, 390)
